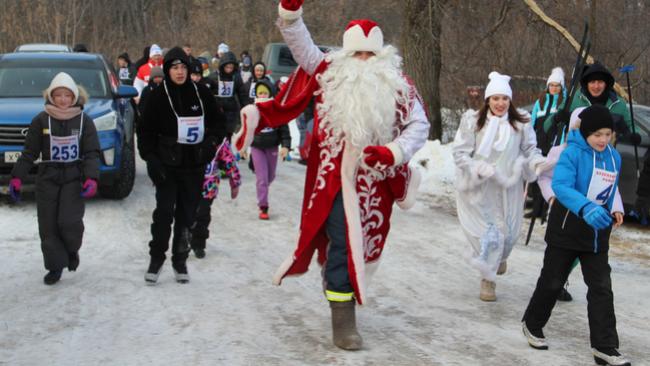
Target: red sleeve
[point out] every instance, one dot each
(292, 99)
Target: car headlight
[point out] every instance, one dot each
(106, 122)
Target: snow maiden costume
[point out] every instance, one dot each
(491, 167)
(358, 165)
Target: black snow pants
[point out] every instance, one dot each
(200, 231)
(60, 209)
(600, 298)
(335, 273)
(177, 198)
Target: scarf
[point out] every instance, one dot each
(62, 114)
(496, 127)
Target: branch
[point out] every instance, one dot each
(590, 60)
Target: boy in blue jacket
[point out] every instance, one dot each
(585, 181)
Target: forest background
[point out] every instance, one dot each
(449, 46)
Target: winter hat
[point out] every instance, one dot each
(223, 48)
(265, 85)
(557, 76)
(596, 71)
(594, 118)
(261, 88)
(155, 50)
(363, 35)
(575, 118)
(499, 84)
(175, 56)
(196, 67)
(63, 80)
(80, 47)
(156, 71)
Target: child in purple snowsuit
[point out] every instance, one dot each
(264, 152)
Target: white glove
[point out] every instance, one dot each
(484, 170)
(544, 165)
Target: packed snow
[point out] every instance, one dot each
(423, 309)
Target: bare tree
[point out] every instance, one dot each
(422, 54)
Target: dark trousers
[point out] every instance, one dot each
(600, 299)
(60, 209)
(200, 231)
(176, 201)
(336, 273)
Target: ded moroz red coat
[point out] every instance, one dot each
(367, 201)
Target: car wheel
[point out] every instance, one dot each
(123, 183)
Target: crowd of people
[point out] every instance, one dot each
(363, 120)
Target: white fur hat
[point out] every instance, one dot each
(557, 76)
(573, 121)
(223, 48)
(363, 35)
(499, 84)
(63, 80)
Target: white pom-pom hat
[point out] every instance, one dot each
(499, 85)
(557, 76)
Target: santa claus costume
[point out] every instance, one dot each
(369, 121)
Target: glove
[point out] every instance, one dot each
(89, 188)
(14, 189)
(290, 9)
(291, 5)
(635, 139)
(378, 157)
(596, 216)
(544, 165)
(156, 170)
(484, 170)
(562, 116)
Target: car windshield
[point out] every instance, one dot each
(22, 78)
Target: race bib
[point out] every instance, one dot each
(251, 92)
(190, 130)
(601, 186)
(124, 73)
(64, 149)
(266, 130)
(226, 88)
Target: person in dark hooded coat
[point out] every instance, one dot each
(181, 128)
(231, 91)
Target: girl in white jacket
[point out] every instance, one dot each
(495, 152)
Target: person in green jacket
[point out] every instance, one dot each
(597, 87)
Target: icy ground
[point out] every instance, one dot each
(424, 307)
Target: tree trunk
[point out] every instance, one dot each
(421, 50)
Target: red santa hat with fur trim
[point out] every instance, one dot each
(359, 35)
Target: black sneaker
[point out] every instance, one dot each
(155, 266)
(199, 252)
(609, 356)
(564, 295)
(180, 272)
(52, 277)
(73, 262)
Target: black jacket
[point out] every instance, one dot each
(231, 91)
(566, 230)
(272, 137)
(159, 129)
(144, 96)
(37, 144)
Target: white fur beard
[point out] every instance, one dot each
(360, 99)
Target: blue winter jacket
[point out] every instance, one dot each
(571, 179)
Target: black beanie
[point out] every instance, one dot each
(594, 118)
(196, 67)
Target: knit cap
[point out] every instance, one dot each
(557, 76)
(594, 118)
(499, 85)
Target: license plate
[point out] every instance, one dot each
(12, 156)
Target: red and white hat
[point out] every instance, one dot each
(363, 35)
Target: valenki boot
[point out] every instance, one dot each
(487, 291)
(344, 325)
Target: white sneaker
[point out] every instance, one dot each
(610, 358)
(533, 341)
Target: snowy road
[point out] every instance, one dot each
(424, 307)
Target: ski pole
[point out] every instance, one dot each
(626, 70)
